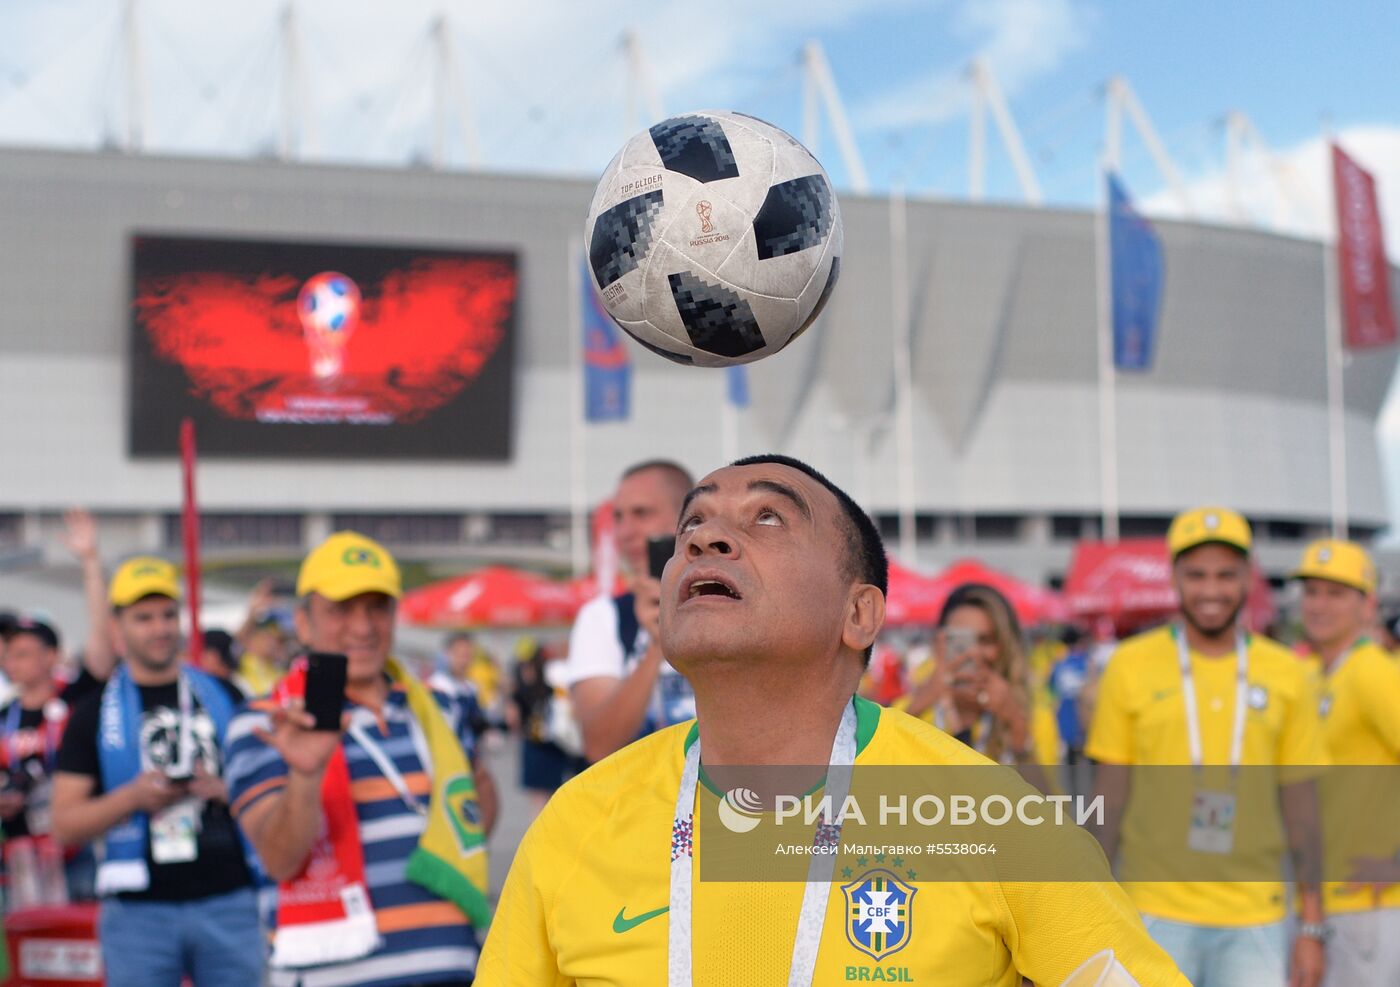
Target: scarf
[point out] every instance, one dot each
(124, 867)
(324, 913)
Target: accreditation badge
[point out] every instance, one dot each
(1212, 822)
(175, 833)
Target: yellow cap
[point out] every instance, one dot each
(1205, 525)
(143, 576)
(347, 564)
(1342, 562)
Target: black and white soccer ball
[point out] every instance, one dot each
(714, 238)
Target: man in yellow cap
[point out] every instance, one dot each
(375, 832)
(1204, 692)
(1360, 709)
(141, 768)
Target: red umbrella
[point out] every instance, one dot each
(496, 596)
(1130, 582)
(1033, 604)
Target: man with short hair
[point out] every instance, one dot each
(770, 606)
(375, 832)
(1360, 709)
(141, 768)
(1205, 692)
(619, 681)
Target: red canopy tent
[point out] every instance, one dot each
(496, 596)
(918, 599)
(1130, 583)
(1033, 604)
(912, 598)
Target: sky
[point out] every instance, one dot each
(543, 86)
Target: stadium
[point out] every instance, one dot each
(1005, 409)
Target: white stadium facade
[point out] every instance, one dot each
(1004, 364)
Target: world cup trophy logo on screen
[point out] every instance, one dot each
(329, 307)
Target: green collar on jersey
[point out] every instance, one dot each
(867, 719)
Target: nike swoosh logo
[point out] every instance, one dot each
(624, 924)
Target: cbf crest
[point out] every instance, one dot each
(879, 913)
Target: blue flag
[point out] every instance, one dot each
(737, 385)
(607, 370)
(1135, 260)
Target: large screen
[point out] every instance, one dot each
(320, 349)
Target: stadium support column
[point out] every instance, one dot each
(135, 79)
(578, 490)
(819, 77)
(986, 94)
(641, 86)
(295, 134)
(903, 372)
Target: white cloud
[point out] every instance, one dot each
(1293, 192)
(1022, 41)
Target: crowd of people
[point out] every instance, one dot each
(231, 841)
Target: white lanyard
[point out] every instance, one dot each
(185, 745)
(1188, 692)
(680, 960)
(384, 763)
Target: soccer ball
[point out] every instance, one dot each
(714, 238)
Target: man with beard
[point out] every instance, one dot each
(1360, 710)
(770, 606)
(140, 767)
(1204, 692)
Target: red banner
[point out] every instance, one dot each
(1367, 317)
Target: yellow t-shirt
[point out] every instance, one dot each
(1360, 710)
(588, 893)
(1140, 719)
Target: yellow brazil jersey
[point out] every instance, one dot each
(1360, 708)
(587, 898)
(1140, 719)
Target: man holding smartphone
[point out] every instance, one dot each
(355, 783)
(619, 681)
(140, 767)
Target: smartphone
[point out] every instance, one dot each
(325, 688)
(958, 643)
(659, 552)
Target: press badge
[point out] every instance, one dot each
(1212, 822)
(175, 833)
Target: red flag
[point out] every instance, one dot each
(190, 523)
(1367, 317)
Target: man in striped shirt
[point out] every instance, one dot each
(349, 588)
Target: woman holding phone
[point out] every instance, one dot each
(979, 686)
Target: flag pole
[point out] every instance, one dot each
(1336, 380)
(190, 526)
(578, 488)
(1108, 403)
(903, 372)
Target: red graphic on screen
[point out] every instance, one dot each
(423, 333)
